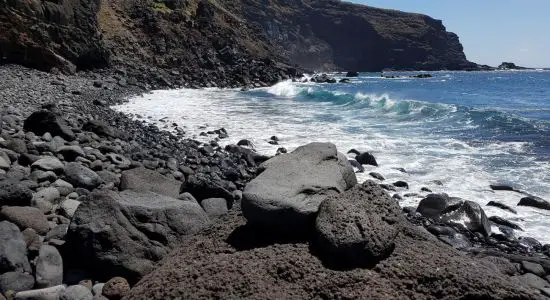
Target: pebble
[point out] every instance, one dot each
(116, 288)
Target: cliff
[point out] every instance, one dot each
(221, 42)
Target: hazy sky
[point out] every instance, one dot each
(491, 31)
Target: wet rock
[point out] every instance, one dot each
(76, 292)
(287, 194)
(127, 233)
(81, 176)
(457, 241)
(142, 179)
(377, 176)
(530, 243)
(26, 217)
(501, 187)
(501, 206)
(44, 121)
(356, 165)
(364, 158)
(49, 267)
(215, 207)
(116, 288)
(469, 215)
(16, 281)
(425, 189)
(501, 221)
(534, 202)
(401, 184)
(357, 228)
(13, 250)
(352, 74)
(434, 204)
(49, 163)
(70, 153)
(13, 193)
(51, 293)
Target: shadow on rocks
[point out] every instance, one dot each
(248, 236)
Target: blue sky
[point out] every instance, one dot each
(491, 31)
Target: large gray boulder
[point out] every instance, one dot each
(49, 267)
(143, 179)
(125, 234)
(358, 227)
(13, 249)
(80, 176)
(286, 196)
(76, 292)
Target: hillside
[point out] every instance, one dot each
(221, 42)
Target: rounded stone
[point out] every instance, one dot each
(116, 288)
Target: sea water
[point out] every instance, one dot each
(466, 130)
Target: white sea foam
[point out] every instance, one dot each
(465, 170)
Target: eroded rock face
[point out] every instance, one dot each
(32, 27)
(286, 196)
(357, 228)
(126, 233)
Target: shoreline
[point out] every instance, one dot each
(82, 98)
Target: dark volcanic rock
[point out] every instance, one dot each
(126, 233)
(501, 221)
(116, 288)
(366, 158)
(434, 204)
(534, 202)
(467, 214)
(212, 263)
(13, 193)
(357, 228)
(203, 186)
(143, 179)
(501, 206)
(286, 196)
(44, 121)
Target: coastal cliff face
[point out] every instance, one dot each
(340, 35)
(221, 42)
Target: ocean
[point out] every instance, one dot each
(465, 129)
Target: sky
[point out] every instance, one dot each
(491, 31)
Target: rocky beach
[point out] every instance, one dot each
(99, 204)
(95, 205)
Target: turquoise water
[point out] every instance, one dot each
(465, 129)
